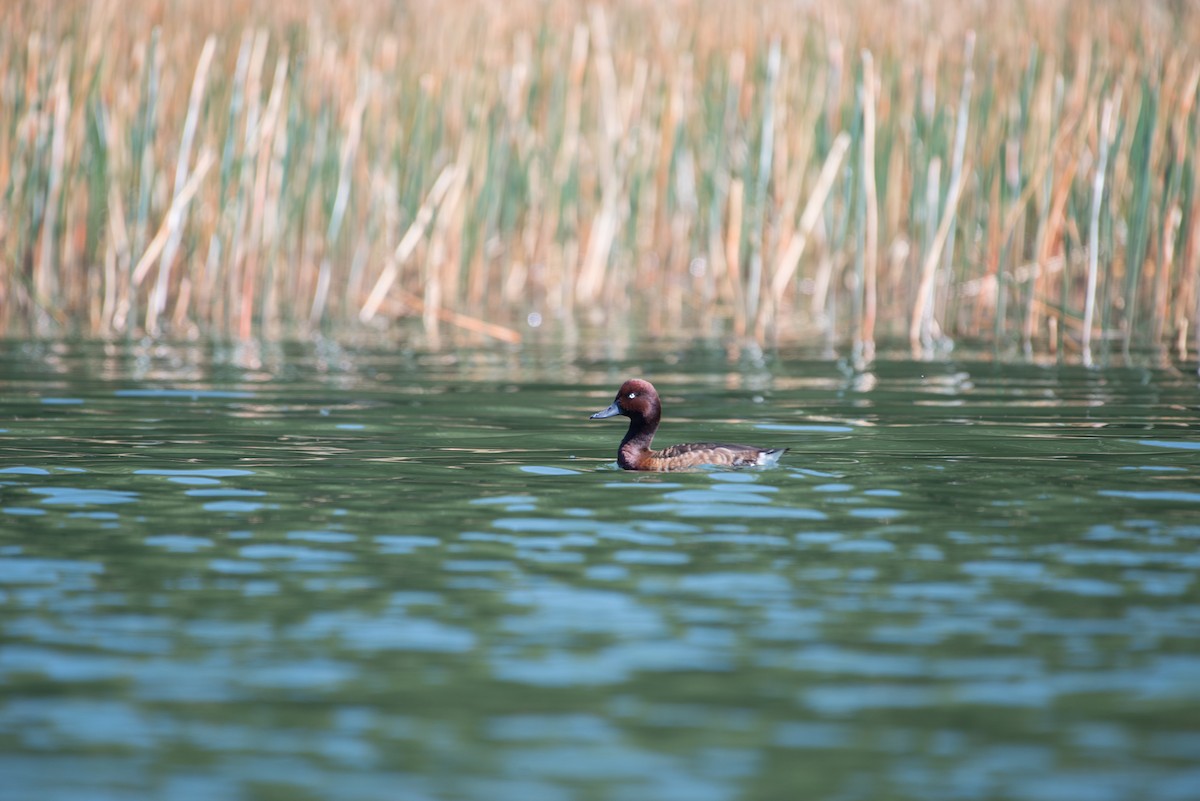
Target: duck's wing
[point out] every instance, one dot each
(696, 454)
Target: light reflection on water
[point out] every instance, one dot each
(404, 575)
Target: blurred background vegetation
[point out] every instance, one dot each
(1017, 172)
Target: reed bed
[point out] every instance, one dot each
(1018, 172)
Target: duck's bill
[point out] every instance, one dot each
(612, 411)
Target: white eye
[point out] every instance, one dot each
(632, 395)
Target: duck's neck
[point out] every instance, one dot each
(640, 434)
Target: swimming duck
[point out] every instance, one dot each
(638, 400)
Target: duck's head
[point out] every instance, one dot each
(635, 398)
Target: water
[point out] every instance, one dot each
(309, 572)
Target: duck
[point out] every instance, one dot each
(638, 400)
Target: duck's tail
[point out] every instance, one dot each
(770, 457)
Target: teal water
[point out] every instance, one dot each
(318, 573)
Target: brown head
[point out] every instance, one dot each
(637, 400)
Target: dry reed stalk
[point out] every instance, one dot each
(659, 226)
(8, 133)
(144, 129)
(606, 78)
(337, 215)
(179, 318)
(895, 205)
(664, 115)
(606, 220)
(932, 214)
(227, 217)
(835, 55)
(464, 321)
(1072, 132)
(452, 223)
(1081, 93)
(514, 285)
(790, 260)
(956, 163)
(1170, 230)
(1181, 330)
(866, 334)
(568, 152)
(676, 271)
(264, 158)
(733, 249)
(1010, 247)
(1187, 300)
(46, 281)
(1089, 308)
(408, 243)
(441, 259)
(794, 156)
(1196, 310)
(929, 76)
(1046, 236)
(725, 270)
(1117, 187)
(240, 245)
(754, 279)
(1038, 173)
(928, 270)
(277, 150)
(668, 127)
(174, 217)
(821, 281)
(158, 302)
(116, 266)
(1167, 247)
(599, 245)
(1050, 234)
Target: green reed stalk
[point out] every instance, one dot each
(341, 202)
(95, 161)
(158, 300)
(46, 281)
(722, 121)
(632, 166)
(1188, 137)
(1037, 261)
(1170, 214)
(1139, 221)
(865, 336)
(144, 134)
(1063, 308)
(956, 165)
(813, 210)
(758, 206)
(1108, 222)
(1089, 309)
